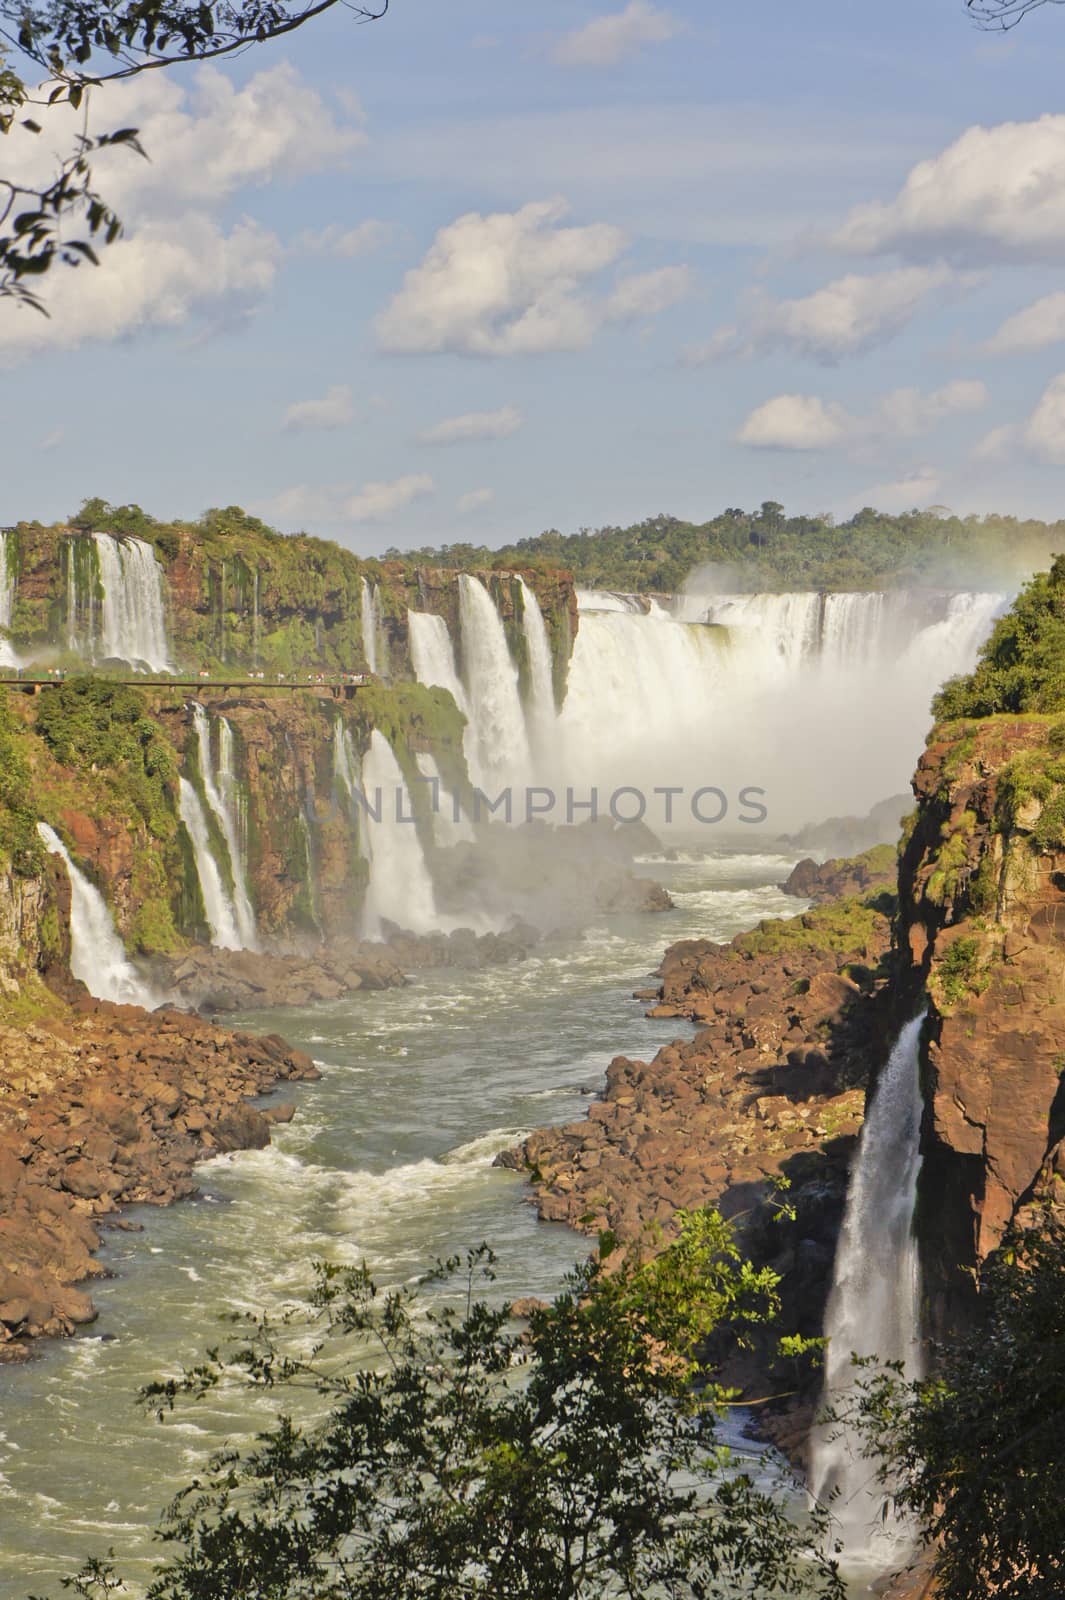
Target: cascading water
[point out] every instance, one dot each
(451, 825)
(873, 1307)
(97, 955)
(217, 901)
(372, 638)
(500, 741)
(7, 603)
(540, 701)
(132, 617)
(225, 815)
(433, 655)
(400, 889)
(671, 696)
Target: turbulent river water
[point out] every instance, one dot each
(389, 1158)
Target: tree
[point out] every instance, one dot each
(73, 47)
(460, 1458)
(1004, 14)
(976, 1452)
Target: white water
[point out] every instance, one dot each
(97, 955)
(451, 825)
(217, 902)
(500, 743)
(132, 618)
(873, 1309)
(371, 628)
(7, 605)
(400, 889)
(540, 706)
(433, 655)
(823, 701)
(219, 797)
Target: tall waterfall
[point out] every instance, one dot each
(541, 696)
(500, 742)
(217, 901)
(400, 888)
(97, 955)
(7, 603)
(874, 1304)
(132, 618)
(433, 655)
(373, 643)
(220, 795)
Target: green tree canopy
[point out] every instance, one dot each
(459, 1457)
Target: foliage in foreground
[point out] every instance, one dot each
(462, 1458)
(977, 1452)
(1022, 665)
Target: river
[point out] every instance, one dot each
(389, 1159)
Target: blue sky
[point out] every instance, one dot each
(480, 269)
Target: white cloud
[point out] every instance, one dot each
(178, 261)
(334, 410)
(474, 425)
(53, 440)
(1044, 432)
(995, 194)
(606, 40)
(345, 243)
(306, 504)
(794, 422)
(806, 422)
(648, 294)
(517, 283)
(998, 445)
(1037, 326)
(474, 500)
(161, 277)
(845, 318)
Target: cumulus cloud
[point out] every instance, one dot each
(518, 283)
(474, 500)
(308, 504)
(806, 422)
(474, 425)
(335, 409)
(995, 194)
(1034, 328)
(609, 39)
(207, 143)
(845, 318)
(794, 422)
(345, 244)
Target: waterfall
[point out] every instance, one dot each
(132, 619)
(451, 826)
(873, 1307)
(400, 889)
(224, 814)
(540, 701)
(672, 693)
(433, 655)
(8, 657)
(500, 741)
(217, 902)
(373, 643)
(97, 955)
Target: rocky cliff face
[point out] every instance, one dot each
(237, 594)
(981, 932)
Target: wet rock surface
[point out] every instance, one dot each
(106, 1106)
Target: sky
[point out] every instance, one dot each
(481, 269)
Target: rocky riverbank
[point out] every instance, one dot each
(103, 1106)
(770, 1091)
